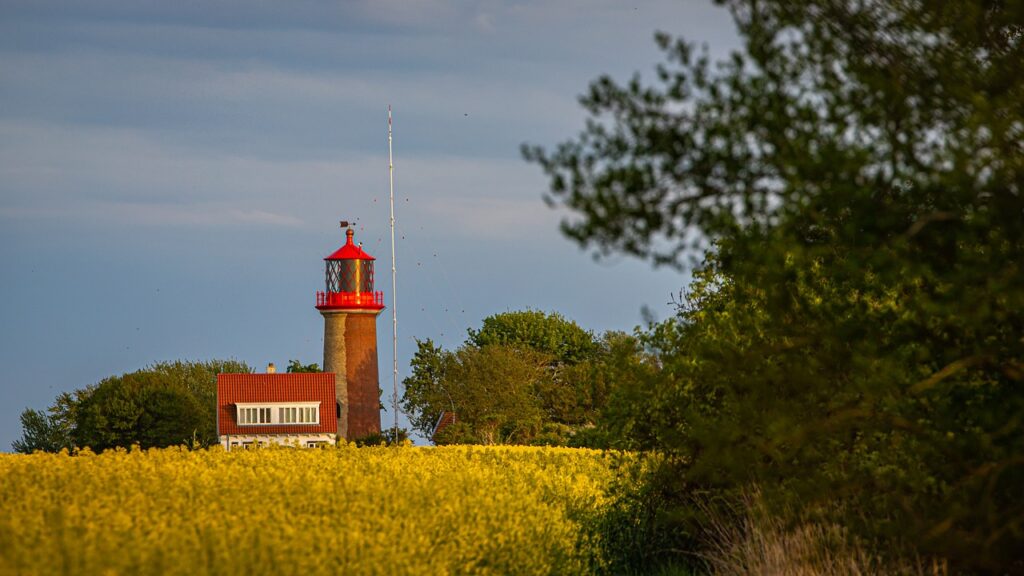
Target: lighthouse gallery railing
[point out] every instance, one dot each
(345, 299)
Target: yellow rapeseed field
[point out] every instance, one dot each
(347, 510)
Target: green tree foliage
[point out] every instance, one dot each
(294, 367)
(425, 395)
(166, 404)
(40, 432)
(496, 391)
(547, 333)
(384, 437)
(172, 416)
(854, 341)
(523, 377)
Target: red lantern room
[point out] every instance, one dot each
(349, 279)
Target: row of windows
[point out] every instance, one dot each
(248, 445)
(249, 415)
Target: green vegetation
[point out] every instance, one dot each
(294, 366)
(550, 334)
(41, 431)
(167, 404)
(385, 437)
(524, 377)
(852, 342)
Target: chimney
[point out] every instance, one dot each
(271, 369)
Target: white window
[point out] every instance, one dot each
(252, 414)
(298, 415)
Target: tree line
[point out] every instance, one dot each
(166, 404)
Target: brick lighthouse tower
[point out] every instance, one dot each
(350, 308)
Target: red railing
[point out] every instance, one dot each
(349, 299)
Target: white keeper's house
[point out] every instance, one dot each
(270, 408)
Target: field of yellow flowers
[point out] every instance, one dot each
(347, 510)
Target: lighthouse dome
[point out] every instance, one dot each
(350, 251)
(349, 279)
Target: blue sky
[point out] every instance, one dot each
(172, 173)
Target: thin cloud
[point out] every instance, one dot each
(127, 215)
(491, 218)
(102, 175)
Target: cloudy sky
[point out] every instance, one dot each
(172, 173)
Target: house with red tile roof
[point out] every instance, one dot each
(287, 409)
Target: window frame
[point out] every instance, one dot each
(248, 414)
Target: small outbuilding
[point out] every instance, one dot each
(445, 420)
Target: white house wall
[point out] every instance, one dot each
(241, 441)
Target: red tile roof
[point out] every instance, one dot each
(445, 420)
(283, 388)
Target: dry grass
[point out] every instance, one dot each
(762, 544)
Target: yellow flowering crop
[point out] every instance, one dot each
(448, 510)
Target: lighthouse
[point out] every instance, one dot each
(350, 307)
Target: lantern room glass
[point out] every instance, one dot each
(351, 276)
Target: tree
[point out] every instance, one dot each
(170, 416)
(39, 433)
(523, 377)
(200, 380)
(496, 391)
(621, 386)
(294, 366)
(425, 395)
(51, 431)
(109, 416)
(576, 387)
(855, 338)
(548, 333)
(165, 404)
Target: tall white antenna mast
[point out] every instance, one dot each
(394, 297)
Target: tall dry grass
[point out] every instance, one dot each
(752, 541)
